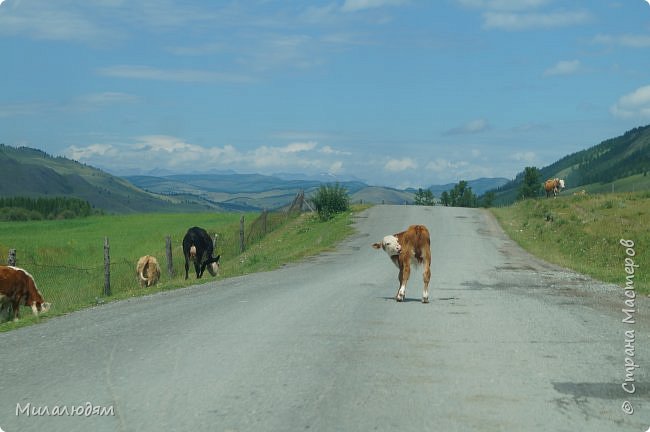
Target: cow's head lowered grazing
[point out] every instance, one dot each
(198, 247)
(17, 288)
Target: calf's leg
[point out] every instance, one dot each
(404, 273)
(427, 277)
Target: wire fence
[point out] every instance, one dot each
(71, 286)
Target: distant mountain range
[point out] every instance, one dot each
(620, 163)
(479, 186)
(33, 173)
(253, 192)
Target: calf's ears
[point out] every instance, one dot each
(376, 245)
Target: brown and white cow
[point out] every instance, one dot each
(553, 186)
(148, 271)
(17, 288)
(414, 243)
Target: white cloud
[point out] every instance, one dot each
(329, 150)
(198, 50)
(633, 105)
(298, 147)
(471, 127)
(336, 167)
(516, 15)
(357, 5)
(441, 165)
(164, 151)
(529, 21)
(51, 21)
(528, 156)
(23, 108)
(398, 165)
(503, 4)
(83, 103)
(93, 101)
(179, 75)
(564, 67)
(276, 51)
(626, 40)
(531, 127)
(283, 157)
(91, 151)
(164, 143)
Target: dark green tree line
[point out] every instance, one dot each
(25, 208)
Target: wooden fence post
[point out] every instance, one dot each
(107, 268)
(168, 250)
(11, 260)
(241, 235)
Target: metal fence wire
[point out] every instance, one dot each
(270, 221)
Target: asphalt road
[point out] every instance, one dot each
(508, 343)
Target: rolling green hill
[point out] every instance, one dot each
(32, 173)
(597, 168)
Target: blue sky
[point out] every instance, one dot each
(395, 92)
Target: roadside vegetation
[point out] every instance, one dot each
(330, 200)
(582, 232)
(66, 256)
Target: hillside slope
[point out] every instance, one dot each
(610, 161)
(583, 232)
(33, 173)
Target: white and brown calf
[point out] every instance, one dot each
(414, 243)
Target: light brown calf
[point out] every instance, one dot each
(401, 248)
(148, 271)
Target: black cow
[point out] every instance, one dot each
(198, 247)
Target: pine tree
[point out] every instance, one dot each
(531, 185)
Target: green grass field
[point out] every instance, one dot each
(583, 232)
(66, 257)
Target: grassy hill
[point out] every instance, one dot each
(583, 232)
(624, 160)
(33, 173)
